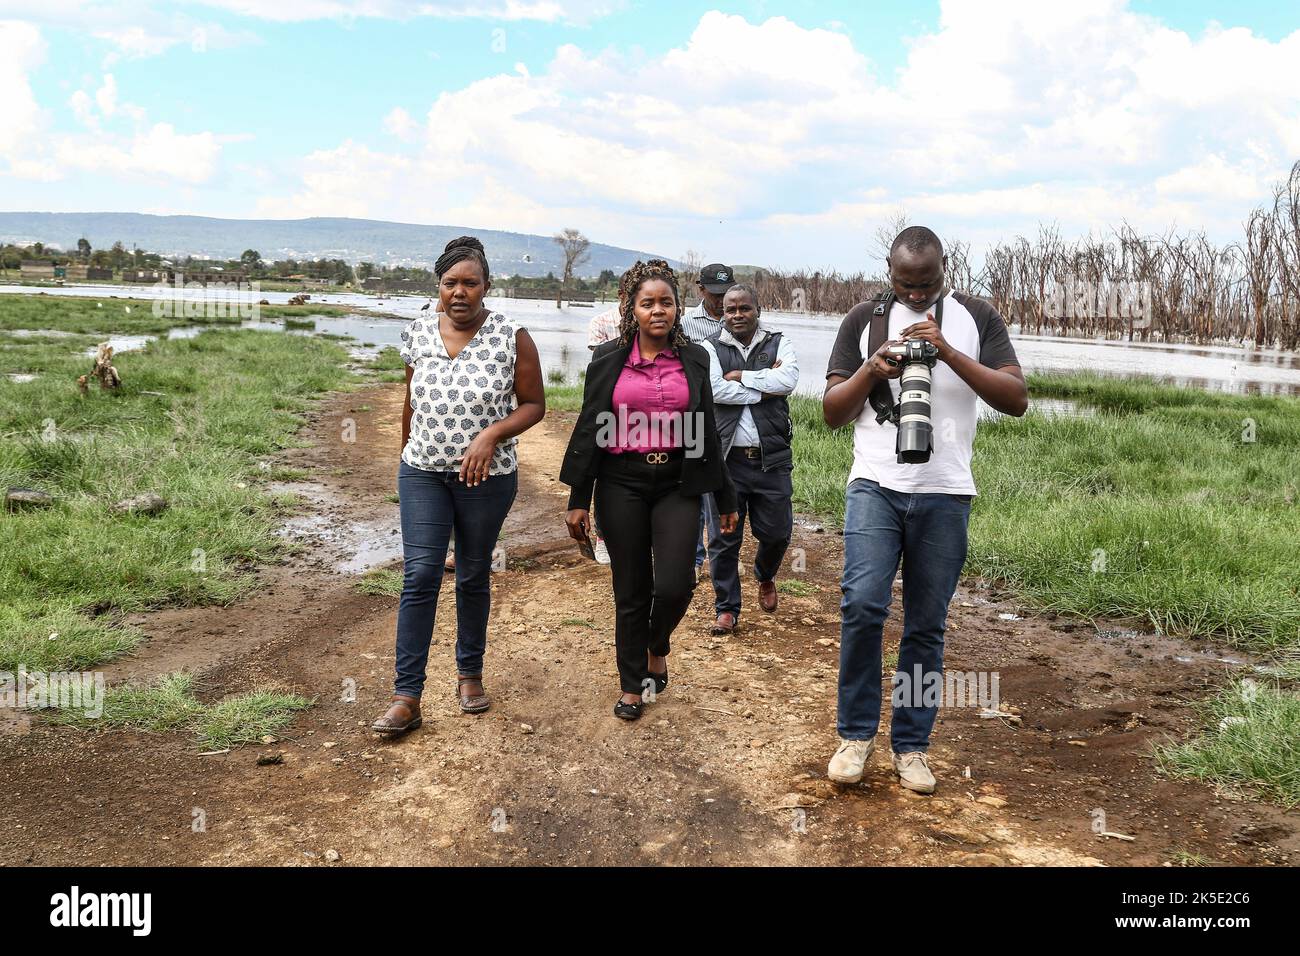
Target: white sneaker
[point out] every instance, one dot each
(602, 553)
(913, 771)
(846, 766)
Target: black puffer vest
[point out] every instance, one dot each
(771, 415)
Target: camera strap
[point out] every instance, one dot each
(881, 397)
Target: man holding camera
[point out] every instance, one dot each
(910, 489)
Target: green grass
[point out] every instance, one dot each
(564, 398)
(381, 581)
(1154, 508)
(227, 400)
(389, 359)
(1250, 742)
(796, 587)
(822, 459)
(170, 705)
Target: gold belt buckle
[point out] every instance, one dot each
(751, 452)
(656, 457)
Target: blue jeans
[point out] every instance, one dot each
(928, 531)
(709, 520)
(432, 504)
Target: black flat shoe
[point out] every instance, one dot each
(628, 711)
(661, 680)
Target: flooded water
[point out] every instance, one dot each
(561, 337)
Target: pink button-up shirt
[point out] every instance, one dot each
(653, 393)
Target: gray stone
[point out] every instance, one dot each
(17, 498)
(148, 504)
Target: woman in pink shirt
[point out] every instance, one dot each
(646, 441)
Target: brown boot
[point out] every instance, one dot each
(472, 703)
(403, 715)
(725, 624)
(767, 596)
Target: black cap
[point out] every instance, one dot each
(717, 278)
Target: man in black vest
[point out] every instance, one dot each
(752, 371)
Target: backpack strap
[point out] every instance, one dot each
(880, 397)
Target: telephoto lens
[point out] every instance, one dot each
(914, 428)
(912, 414)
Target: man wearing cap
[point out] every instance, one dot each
(699, 323)
(705, 320)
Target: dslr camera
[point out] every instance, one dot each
(912, 414)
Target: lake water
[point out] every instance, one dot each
(561, 337)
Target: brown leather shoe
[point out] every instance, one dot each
(472, 703)
(725, 624)
(403, 715)
(767, 596)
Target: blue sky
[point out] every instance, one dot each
(764, 132)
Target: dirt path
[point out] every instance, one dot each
(713, 773)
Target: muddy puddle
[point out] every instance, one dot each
(345, 545)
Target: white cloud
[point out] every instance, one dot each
(1009, 113)
(21, 50)
(775, 142)
(292, 11)
(132, 28)
(157, 151)
(31, 152)
(400, 124)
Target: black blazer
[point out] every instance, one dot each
(707, 473)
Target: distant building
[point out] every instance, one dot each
(204, 276)
(148, 276)
(40, 270)
(391, 285)
(82, 272)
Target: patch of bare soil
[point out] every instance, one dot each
(728, 766)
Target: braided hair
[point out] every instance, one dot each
(630, 284)
(458, 250)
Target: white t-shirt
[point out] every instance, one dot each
(971, 326)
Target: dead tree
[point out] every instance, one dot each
(575, 247)
(103, 370)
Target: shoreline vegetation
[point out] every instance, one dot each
(1117, 285)
(1171, 507)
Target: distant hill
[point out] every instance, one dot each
(353, 240)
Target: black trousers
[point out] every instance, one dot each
(649, 528)
(766, 497)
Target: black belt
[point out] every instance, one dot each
(748, 451)
(651, 457)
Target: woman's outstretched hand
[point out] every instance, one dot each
(576, 519)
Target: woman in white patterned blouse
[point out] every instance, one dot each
(473, 383)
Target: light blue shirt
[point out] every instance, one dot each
(698, 324)
(753, 385)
